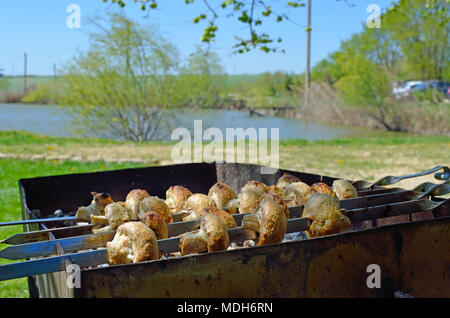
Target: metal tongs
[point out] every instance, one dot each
(388, 180)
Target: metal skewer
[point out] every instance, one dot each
(421, 191)
(97, 257)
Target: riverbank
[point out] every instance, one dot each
(26, 155)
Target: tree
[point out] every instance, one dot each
(200, 80)
(364, 84)
(123, 83)
(251, 13)
(421, 30)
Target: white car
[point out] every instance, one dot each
(404, 89)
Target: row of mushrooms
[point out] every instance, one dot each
(142, 219)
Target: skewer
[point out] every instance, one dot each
(170, 245)
(421, 191)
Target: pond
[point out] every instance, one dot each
(52, 120)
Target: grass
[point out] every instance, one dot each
(11, 170)
(367, 158)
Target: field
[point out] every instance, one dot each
(24, 155)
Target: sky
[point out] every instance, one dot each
(39, 28)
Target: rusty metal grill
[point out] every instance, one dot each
(407, 234)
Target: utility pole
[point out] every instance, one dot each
(308, 55)
(25, 74)
(54, 71)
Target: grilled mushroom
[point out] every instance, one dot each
(344, 189)
(115, 215)
(327, 218)
(155, 221)
(286, 179)
(278, 200)
(224, 216)
(212, 236)
(250, 185)
(320, 187)
(97, 206)
(176, 197)
(297, 192)
(269, 221)
(157, 205)
(248, 199)
(196, 203)
(133, 200)
(134, 242)
(221, 193)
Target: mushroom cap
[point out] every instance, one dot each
(176, 197)
(157, 205)
(134, 242)
(101, 201)
(285, 179)
(116, 214)
(198, 202)
(212, 236)
(320, 187)
(344, 189)
(133, 200)
(326, 215)
(278, 200)
(249, 199)
(218, 238)
(272, 222)
(299, 191)
(274, 189)
(155, 221)
(224, 216)
(252, 184)
(221, 193)
(97, 206)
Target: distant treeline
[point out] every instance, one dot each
(132, 67)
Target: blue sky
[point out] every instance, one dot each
(39, 28)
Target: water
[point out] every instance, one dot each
(51, 120)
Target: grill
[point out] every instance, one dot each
(405, 232)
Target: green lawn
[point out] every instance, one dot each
(11, 170)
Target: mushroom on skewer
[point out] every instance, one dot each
(269, 221)
(227, 219)
(155, 221)
(133, 201)
(134, 242)
(97, 206)
(320, 187)
(115, 215)
(196, 203)
(344, 189)
(326, 215)
(296, 193)
(157, 205)
(212, 236)
(221, 193)
(176, 197)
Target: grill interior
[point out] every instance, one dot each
(68, 192)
